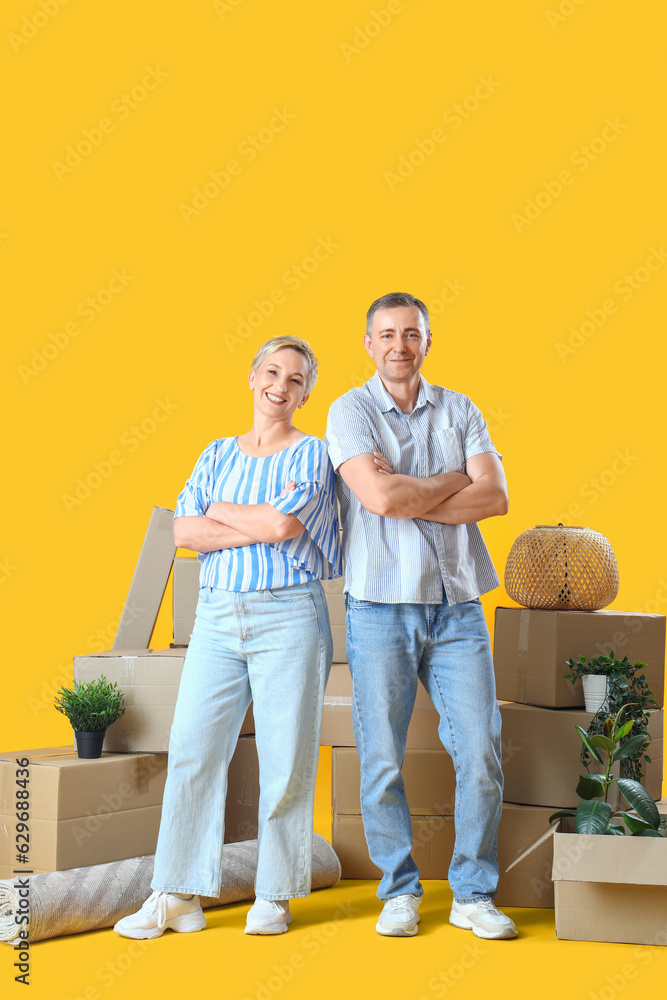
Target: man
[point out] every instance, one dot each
(415, 472)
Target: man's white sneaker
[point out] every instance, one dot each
(163, 911)
(483, 919)
(268, 916)
(399, 917)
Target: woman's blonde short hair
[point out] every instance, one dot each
(296, 344)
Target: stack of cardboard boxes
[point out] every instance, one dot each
(540, 709)
(87, 812)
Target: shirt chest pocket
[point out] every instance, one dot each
(448, 450)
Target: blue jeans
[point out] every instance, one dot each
(390, 646)
(274, 647)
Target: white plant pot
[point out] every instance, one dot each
(595, 691)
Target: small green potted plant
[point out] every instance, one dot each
(594, 813)
(627, 693)
(91, 708)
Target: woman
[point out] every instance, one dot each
(260, 510)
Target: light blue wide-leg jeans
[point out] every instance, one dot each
(390, 646)
(274, 647)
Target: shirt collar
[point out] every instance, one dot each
(386, 402)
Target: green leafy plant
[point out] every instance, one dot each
(92, 706)
(627, 693)
(594, 814)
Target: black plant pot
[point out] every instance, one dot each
(89, 745)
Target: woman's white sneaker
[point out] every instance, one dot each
(483, 918)
(400, 916)
(163, 911)
(268, 916)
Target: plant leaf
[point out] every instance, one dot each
(640, 800)
(603, 742)
(631, 746)
(584, 738)
(591, 786)
(648, 833)
(561, 813)
(592, 817)
(625, 729)
(634, 824)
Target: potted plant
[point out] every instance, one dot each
(594, 813)
(628, 696)
(91, 708)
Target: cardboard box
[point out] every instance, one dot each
(148, 583)
(530, 883)
(428, 775)
(433, 844)
(242, 793)
(337, 729)
(149, 679)
(82, 812)
(541, 755)
(333, 590)
(530, 648)
(610, 888)
(185, 597)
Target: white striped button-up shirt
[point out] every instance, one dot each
(410, 560)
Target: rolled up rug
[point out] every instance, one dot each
(87, 899)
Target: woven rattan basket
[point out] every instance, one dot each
(559, 568)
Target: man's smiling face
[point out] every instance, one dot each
(398, 343)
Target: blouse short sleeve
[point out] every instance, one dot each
(195, 498)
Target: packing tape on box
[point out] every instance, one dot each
(522, 664)
(87, 899)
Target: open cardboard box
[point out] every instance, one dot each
(607, 888)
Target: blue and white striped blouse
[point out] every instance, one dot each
(224, 472)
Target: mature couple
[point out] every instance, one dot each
(415, 472)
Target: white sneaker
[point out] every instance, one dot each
(399, 917)
(160, 912)
(268, 916)
(483, 918)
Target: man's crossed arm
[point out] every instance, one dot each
(449, 497)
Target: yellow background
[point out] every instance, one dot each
(356, 92)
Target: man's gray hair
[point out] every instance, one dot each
(392, 301)
(296, 344)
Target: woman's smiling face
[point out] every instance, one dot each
(279, 384)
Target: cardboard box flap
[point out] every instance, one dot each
(37, 753)
(596, 858)
(532, 847)
(149, 582)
